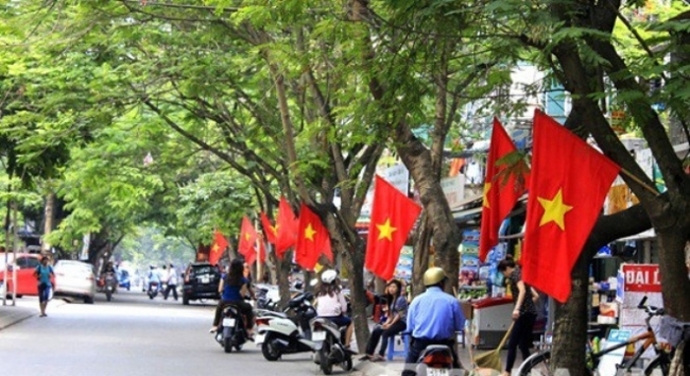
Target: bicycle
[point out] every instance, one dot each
(538, 364)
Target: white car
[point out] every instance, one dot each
(75, 279)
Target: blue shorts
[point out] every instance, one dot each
(43, 293)
(340, 321)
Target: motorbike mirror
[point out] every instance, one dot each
(313, 282)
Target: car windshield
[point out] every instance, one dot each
(202, 270)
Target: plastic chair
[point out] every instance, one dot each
(405, 337)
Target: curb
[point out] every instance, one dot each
(25, 313)
(21, 318)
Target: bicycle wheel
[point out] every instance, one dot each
(537, 364)
(659, 366)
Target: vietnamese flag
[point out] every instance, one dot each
(217, 248)
(392, 216)
(271, 231)
(248, 236)
(500, 192)
(568, 184)
(250, 257)
(312, 239)
(287, 227)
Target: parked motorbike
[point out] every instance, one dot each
(280, 334)
(435, 360)
(153, 290)
(232, 332)
(110, 285)
(327, 338)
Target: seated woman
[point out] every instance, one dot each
(394, 324)
(233, 287)
(331, 303)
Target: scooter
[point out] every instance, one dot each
(279, 334)
(153, 290)
(110, 285)
(232, 332)
(327, 338)
(435, 360)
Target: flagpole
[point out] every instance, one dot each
(258, 253)
(640, 182)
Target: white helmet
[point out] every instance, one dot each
(329, 276)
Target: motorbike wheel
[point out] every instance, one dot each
(108, 296)
(227, 344)
(269, 350)
(324, 361)
(347, 364)
(238, 347)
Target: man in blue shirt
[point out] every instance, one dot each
(433, 319)
(43, 274)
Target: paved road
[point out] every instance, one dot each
(131, 335)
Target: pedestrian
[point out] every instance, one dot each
(433, 319)
(524, 314)
(172, 283)
(43, 273)
(394, 324)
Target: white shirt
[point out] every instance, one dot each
(172, 277)
(329, 306)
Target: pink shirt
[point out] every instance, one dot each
(329, 306)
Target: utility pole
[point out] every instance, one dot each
(14, 252)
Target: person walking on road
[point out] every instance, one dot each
(433, 319)
(172, 283)
(43, 273)
(524, 314)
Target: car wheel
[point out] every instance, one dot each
(88, 300)
(185, 300)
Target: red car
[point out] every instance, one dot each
(26, 264)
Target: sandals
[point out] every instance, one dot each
(213, 330)
(377, 358)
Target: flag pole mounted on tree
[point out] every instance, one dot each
(501, 191)
(392, 216)
(568, 184)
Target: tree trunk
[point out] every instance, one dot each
(570, 324)
(282, 272)
(421, 255)
(358, 296)
(48, 215)
(674, 275)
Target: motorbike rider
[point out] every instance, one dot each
(109, 268)
(153, 277)
(433, 318)
(233, 287)
(331, 303)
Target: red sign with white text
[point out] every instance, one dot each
(642, 278)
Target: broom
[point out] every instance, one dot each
(491, 359)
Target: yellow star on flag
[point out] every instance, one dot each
(487, 188)
(554, 210)
(386, 230)
(247, 236)
(216, 248)
(274, 229)
(309, 232)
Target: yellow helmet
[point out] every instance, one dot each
(433, 276)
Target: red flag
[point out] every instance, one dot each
(312, 240)
(500, 194)
(287, 227)
(392, 216)
(250, 257)
(248, 237)
(217, 248)
(568, 184)
(271, 231)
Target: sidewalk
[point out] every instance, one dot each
(25, 307)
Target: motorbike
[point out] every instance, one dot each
(435, 360)
(327, 338)
(232, 332)
(280, 334)
(110, 285)
(153, 290)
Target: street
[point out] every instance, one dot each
(131, 335)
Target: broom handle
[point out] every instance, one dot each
(505, 337)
